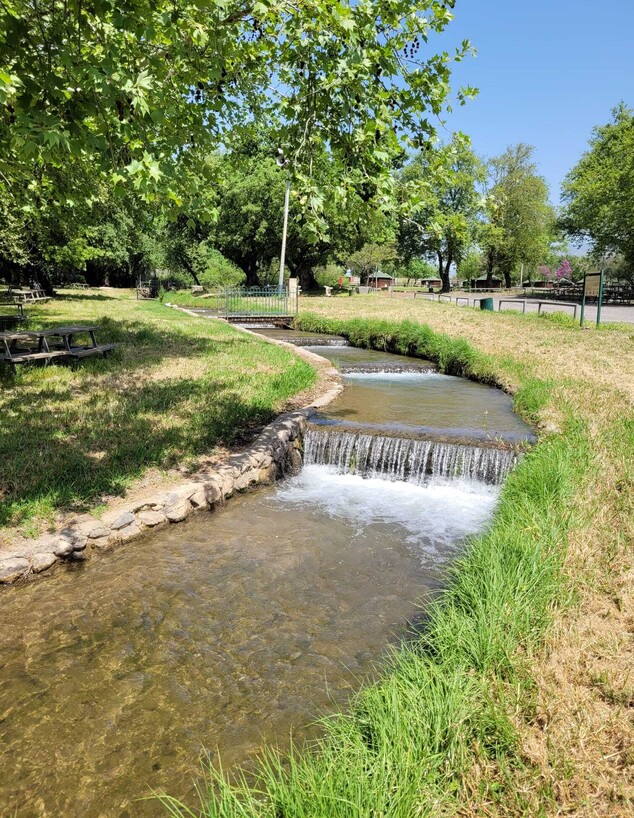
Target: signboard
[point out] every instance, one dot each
(592, 288)
(592, 284)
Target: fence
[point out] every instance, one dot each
(258, 302)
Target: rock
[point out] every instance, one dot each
(178, 512)
(42, 561)
(213, 493)
(129, 532)
(79, 556)
(121, 522)
(268, 474)
(294, 461)
(63, 547)
(151, 518)
(98, 531)
(169, 500)
(79, 544)
(13, 568)
(245, 480)
(199, 498)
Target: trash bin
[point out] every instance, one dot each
(486, 304)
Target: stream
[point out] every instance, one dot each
(220, 634)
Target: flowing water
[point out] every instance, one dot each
(232, 629)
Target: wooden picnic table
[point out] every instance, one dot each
(40, 345)
(25, 296)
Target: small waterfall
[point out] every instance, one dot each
(317, 342)
(390, 368)
(406, 459)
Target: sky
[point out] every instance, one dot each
(548, 71)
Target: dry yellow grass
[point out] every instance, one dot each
(577, 730)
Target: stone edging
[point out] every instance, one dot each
(277, 451)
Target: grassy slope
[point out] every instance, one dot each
(175, 388)
(483, 715)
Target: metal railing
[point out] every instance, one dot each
(259, 301)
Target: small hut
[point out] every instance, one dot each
(481, 283)
(430, 282)
(380, 281)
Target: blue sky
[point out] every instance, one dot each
(548, 72)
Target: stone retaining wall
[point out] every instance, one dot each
(276, 452)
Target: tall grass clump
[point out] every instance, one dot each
(444, 704)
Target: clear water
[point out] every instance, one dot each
(407, 402)
(228, 631)
(218, 634)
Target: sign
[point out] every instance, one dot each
(593, 288)
(592, 284)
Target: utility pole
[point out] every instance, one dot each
(282, 162)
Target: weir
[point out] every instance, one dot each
(406, 459)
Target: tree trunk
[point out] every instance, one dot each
(507, 279)
(444, 274)
(440, 264)
(304, 275)
(490, 264)
(251, 271)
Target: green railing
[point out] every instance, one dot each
(249, 302)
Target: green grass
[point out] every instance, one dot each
(176, 387)
(184, 298)
(451, 698)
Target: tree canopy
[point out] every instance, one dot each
(441, 202)
(520, 221)
(143, 91)
(599, 191)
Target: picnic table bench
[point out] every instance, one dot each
(48, 344)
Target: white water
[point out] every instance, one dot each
(390, 376)
(397, 459)
(433, 517)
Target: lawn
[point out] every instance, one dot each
(517, 698)
(177, 388)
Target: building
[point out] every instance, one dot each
(480, 283)
(380, 281)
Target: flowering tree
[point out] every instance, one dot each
(544, 273)
(564, 270)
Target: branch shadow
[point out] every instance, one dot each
(84, 454)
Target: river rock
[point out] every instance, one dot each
(213, 493)
(42, 561)
(151, 518)
(178, 512)
(13, 568)
(98, 531)
(121, 522)
(199, 498)
(63, 547)
(129, 532)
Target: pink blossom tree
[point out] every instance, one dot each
(564, 270)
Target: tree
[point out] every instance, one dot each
(248, 229)
(520, 221)
(369, 259)
(440, 205)
(144, 91)
(599, 191)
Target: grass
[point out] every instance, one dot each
(514, 701)
(184, 298)
(176, 388)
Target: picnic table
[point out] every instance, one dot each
(17, 296)
(48, 344)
